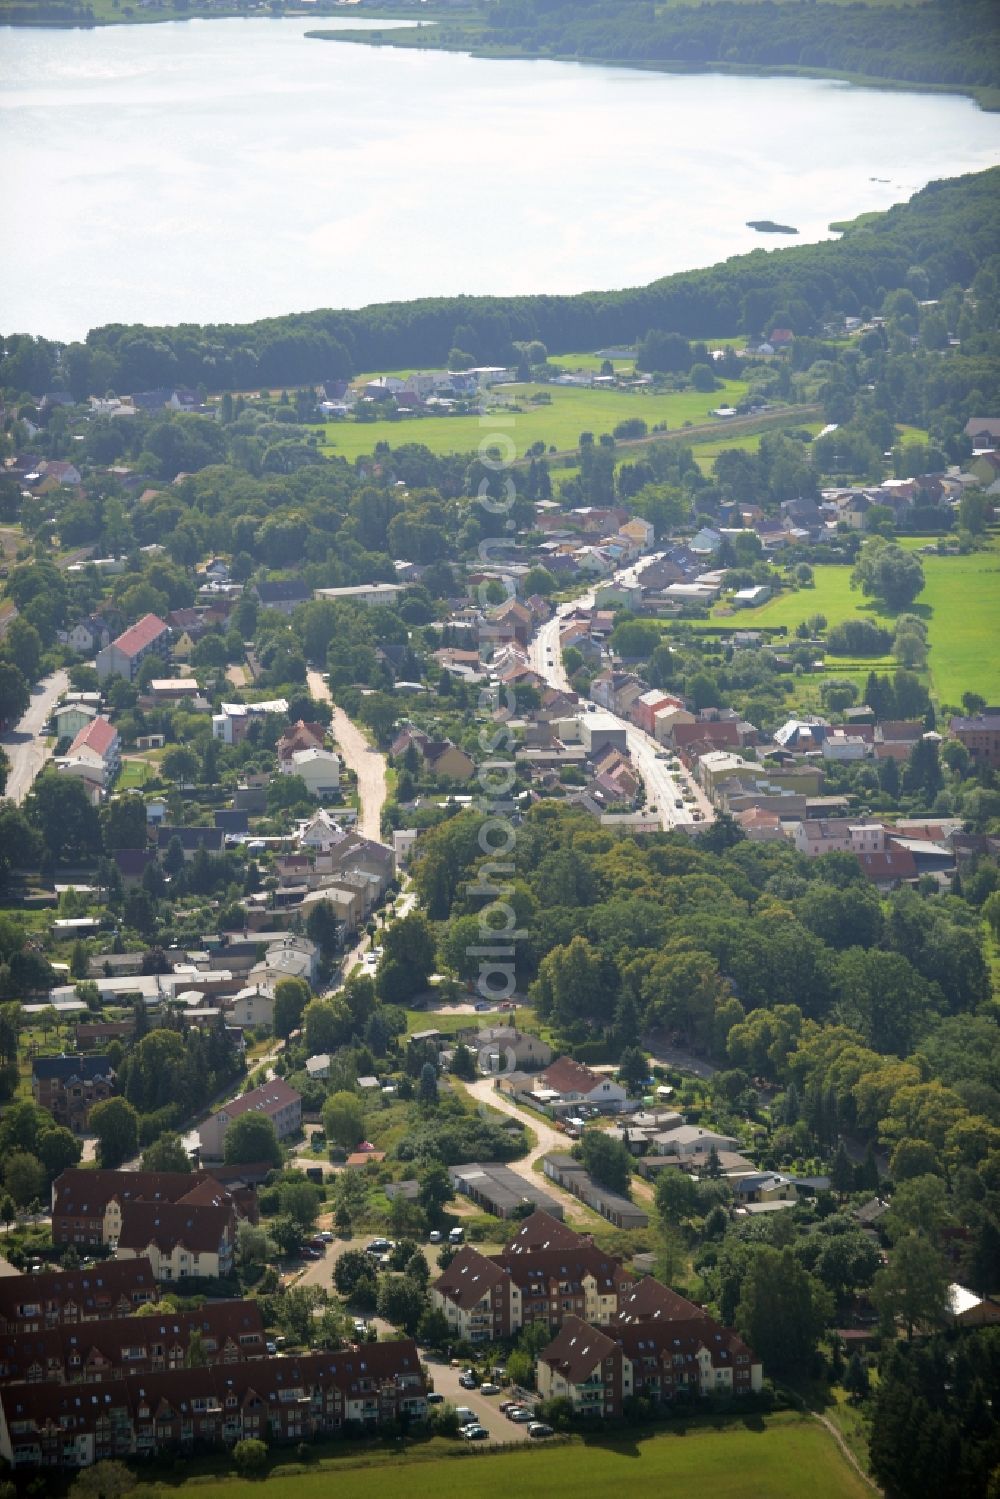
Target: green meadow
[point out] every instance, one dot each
(514, 417)
(774, 1459)
(960, 602)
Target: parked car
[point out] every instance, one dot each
(467, 1381)
(489, 1388)
(434, 1398)
(465, 1416)
(506, 1405)
(311, 1254)
(519, 1414)
(539, 1429)
(325, 1236)
(379, 1246)
(456, 1236)
(475, 1433)
(271, 1346)
(434, 1237)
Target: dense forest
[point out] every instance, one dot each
(946, 42)
(949, 228)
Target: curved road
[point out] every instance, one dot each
(366, 762)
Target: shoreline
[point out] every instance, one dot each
(987, 98)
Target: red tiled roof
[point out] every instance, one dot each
(567, 1076)
(267, 1099)
(97, 735)
(577, 1349)
(138, 636)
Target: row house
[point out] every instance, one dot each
(224, 1332)
(69, 1087)
(30, 1303)
(273, 1400)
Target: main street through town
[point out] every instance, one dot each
(664, 787)
(25, 745)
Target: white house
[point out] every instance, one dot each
(319, 768)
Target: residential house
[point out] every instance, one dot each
(96, 747)
(253, 1008)
(282, 1400)
(587, 1367)
(89, 635)
(70, 1086)
(223, 1332)
(112, 1288)
(983, 431)
(645, 708)
(283, 595)
(69, 718)
(232, 723)
(568, 1084)
(980, 733)
(90, 1207)
(182, 1240)
(318, 768)
(124, 656)
(275, 1099)
(692, 1143)
(502, 1048)
(190, 840)
(300, 736)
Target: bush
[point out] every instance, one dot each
(858, 637)
(250, 1457)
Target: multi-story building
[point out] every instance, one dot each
(116, 1288)
(70, 1086)
(133, 1213)
(981, 736)
(275, 1099)
(124, 656)
(223, 1332)
(586, 1366)
(271, 1399)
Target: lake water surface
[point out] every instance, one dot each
(227, 170)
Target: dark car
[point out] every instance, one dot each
(467, 1381)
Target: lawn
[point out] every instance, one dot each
(133, 774)
(961, 603)
(557, 423)
(773, 1460)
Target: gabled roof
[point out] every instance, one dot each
(84, 1069)
(565, 1075)
(166, 1224)
(469, 1278)
(95, 1292)
(577, 1349)
(651, 1301)
(97, 735)
(268, 1099)
(140, 635)
(541, 1231)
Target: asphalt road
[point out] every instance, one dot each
(664, 788)
(25, 745)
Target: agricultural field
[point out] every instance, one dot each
(756, 1460)
(557, 422)
(961, 604)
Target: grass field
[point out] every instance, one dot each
(784, 1458)
(960, 602)
(133, 774)
(705, 453)
(557, 423)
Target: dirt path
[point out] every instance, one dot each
(848, 1454)
(366, 762)
(237, 675)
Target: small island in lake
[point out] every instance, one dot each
(768, 226)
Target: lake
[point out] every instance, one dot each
(216, 171)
